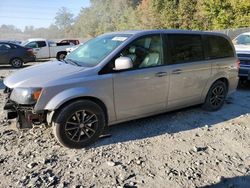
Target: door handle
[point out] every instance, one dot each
(176, 71)
(161, 74)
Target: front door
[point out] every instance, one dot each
(40, 49)
(143, 89)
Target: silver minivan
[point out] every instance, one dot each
(122, 76)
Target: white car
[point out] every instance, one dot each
(70, 49)
(47, 49)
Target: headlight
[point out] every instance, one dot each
(25, 95)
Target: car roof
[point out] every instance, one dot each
(36, 39)
(9, 43)
(247, 33)
(167, 31)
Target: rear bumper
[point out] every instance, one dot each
(233, 84)
(244, 72)
(29, 59)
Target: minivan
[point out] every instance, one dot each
(122, 76)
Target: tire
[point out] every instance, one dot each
(216, 96)
(70, 129)
(61, 55)
(16, 63)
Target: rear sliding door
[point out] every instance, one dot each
(189, 71)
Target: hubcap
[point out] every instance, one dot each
(62, 56)
(16, 62)
(218, 96)
(81, 126)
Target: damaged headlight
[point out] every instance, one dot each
(25, 95)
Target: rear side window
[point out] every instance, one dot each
(185, 48)
(41, 44)
(15, 46)
(218, 47)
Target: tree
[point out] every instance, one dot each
(64, 19)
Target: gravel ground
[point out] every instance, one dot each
(185, 148)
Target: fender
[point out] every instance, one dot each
(73, 93)
(67, 95)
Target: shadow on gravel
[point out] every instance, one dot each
(240, 182)
(173, 122)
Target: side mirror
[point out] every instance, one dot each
(123, 63)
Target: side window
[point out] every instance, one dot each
(15, 46)
(41, 44)
(185, 48)
(32, 45)
(218, 47)
(145, 52)
(4, 47)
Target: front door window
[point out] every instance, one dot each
(145, 52)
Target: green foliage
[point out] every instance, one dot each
(113, 15)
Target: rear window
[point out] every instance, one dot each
(218, 47)
(185, 48)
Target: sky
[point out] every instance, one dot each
(39, 13)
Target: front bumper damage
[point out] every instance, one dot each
(23, 116)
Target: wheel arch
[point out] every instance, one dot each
(96, 100)
(222, 78)
(15, 58)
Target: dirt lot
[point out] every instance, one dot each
(186, 148)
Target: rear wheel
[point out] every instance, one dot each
(216, 96)
(16, 63)
(79, 124)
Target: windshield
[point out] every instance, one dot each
(242, 39)
(95, 50)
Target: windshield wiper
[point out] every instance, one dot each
(71, 62)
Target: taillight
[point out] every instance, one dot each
(238, 64)
(30, 50)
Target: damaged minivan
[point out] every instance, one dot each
(122, 76)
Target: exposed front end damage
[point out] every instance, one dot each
(23, 116)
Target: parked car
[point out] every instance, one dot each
(15, 55)
(72, 41)
(12, 41)
(122, 76)
(70, 49)
(242, 46)
(44, 49)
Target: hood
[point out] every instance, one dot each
(39, 75)
(240, 48)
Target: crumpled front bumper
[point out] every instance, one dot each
(23, 114)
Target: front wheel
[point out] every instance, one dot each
(216, 96)
(79, 124)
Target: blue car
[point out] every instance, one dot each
(15, 55)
